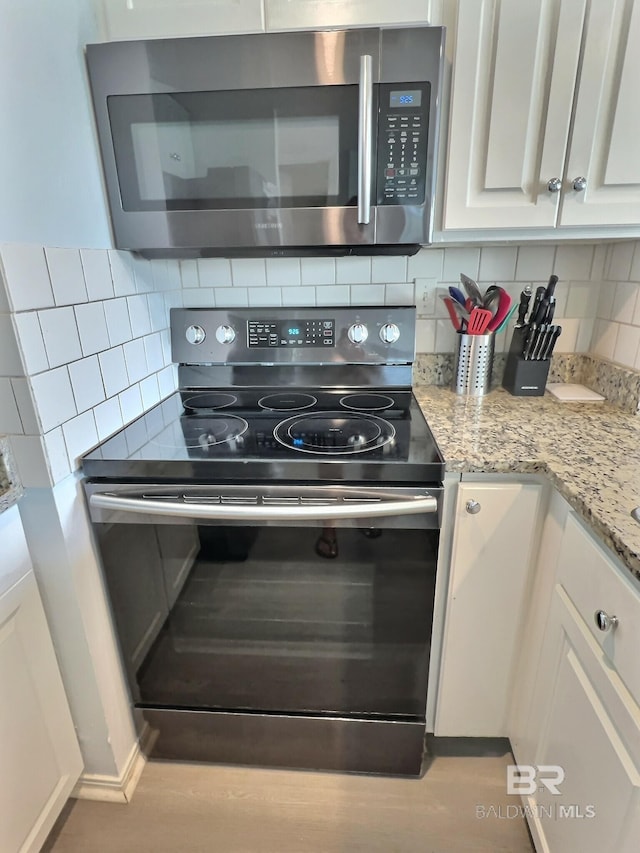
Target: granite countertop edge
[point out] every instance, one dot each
(11, 489)
(594, 464)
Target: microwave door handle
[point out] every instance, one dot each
(230, 512)
(365, 140)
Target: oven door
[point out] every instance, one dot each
(318, 602)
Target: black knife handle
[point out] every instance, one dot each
(525, 298)
(536, 303)
(556, 334)
(541, 312)
(528, 344)
(551, 286)
(550, 310)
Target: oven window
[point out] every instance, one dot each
(244, 149)
(274, 619)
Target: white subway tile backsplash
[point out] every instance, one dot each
(353, 270)
(31, 461)
(60, 334)
(620, 260)
(283, 272)
(108, 418)
(54, 398)
(56, 451)
(398, 294)
(97, 274)
(427, 263)
(9, 416)
(583, 344)
(5, 307)
(143, 275)
(582, 300)
(460, 260)
(317, 271)
(607, 293)
(189, 273)
(604, 338)
(367, 294)
(214, 272)
(199, 297)
(165, 274)
(535, 263)
(26, 406)
(569, 336)
(136, 359)
(445, 336)
(139, 316)
(165, 340)
(31, 341)
(248, 272)
(150, 392)
(121, 273)
(600, 255)
(27, 277)
(158, 311)
(80, 434)
(67, 276)
(294, 296)
(231, 297)
(114, 371)
(634, 274)
(425, 335)
(332, 294)
(92, 327)
(627, 344)
(264, 297)
(497, 263)
(130, 403)
(167, 381)
(573, 263)
(86, 382)
(624, 303)
(153, 353)
(385, 270)
(118, 321)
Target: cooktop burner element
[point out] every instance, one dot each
(210, 400)
(367, 402)
(287, 402)
(205, 433)
(334, 433)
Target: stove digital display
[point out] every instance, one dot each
(302, 333)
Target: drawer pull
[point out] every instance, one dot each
(604, 621)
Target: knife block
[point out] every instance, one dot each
(524, 378)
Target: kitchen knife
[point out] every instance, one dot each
(557, 331)
(540, 291)
(525, 298)
(529, 342)
(540, 313)
(545, 337)
(550, 310)
(551, 286)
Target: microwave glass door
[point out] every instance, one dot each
(242, 149)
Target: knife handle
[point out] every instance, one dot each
(528, 344)
(550, 310)
(541, 312)
(556, 334)
(536, 303)
(551, 286)
(525, 298)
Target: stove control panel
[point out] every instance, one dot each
(343, 335)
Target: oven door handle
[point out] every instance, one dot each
(365, 139)
(242, 512)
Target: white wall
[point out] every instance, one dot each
(49, 172)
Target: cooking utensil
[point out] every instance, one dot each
(557, 331)
(491, 299)
(453, 314)
(479, 319)
(504, 305)
(525, 297)
(512, 311)
(471, 289)
(457, 294)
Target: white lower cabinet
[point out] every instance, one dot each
(581, 685)
(40, 759)
(495, 530)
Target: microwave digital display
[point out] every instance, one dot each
(409, 98)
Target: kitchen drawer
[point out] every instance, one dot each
(594, 582)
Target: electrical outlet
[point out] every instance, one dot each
(425, 295)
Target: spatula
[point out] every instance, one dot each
(479, 319)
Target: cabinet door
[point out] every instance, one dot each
(312, 14)
(129, 19)
(39, 755)
(490, 559)
(590, 732)
(604, 143)
(513, 83)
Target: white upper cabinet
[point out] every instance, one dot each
(542, 95)
(145, 19)
(316, 14)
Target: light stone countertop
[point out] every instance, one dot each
(590, 452)
(10, 485)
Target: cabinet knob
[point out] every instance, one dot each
(580, 184)
(604, 621)
(473, 507)
(554, 185)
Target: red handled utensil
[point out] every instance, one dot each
(479, 319)
(456, 317)
(504, 306)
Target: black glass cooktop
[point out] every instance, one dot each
(284, 435)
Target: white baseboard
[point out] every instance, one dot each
(112, 789)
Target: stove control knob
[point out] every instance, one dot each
(195, 334)
(389, 333)
(225, 335)
(358, 333)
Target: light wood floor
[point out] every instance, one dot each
(191, 808)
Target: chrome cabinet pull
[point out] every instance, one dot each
(580, 184)
(605, 622)
(365, 140)
(473, 507)
(554, 185)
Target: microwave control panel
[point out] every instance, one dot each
(402, 143)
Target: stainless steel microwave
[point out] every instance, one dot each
(270, 144)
